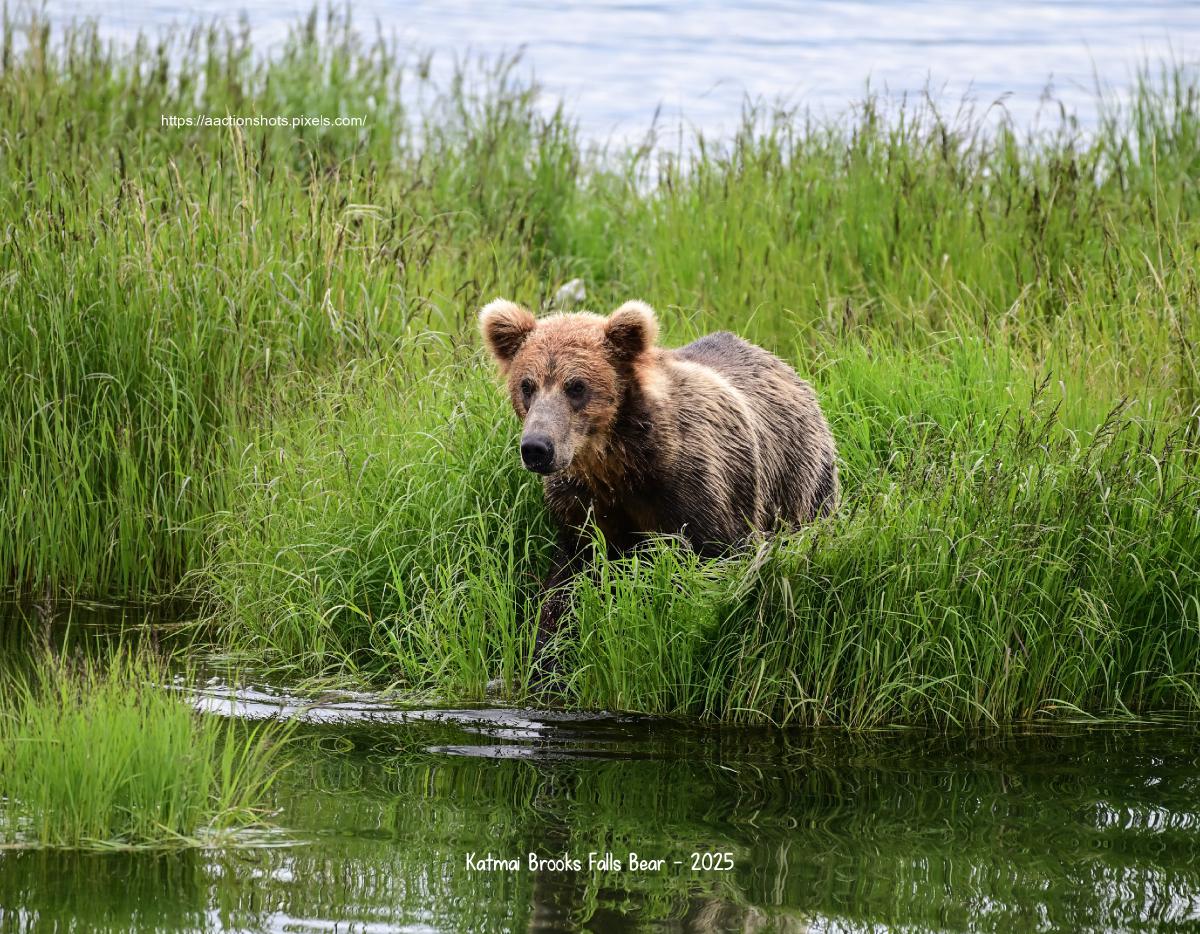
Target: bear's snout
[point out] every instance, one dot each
(537, 453)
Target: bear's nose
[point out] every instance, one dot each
(537, 452)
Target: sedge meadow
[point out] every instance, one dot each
(245, 392)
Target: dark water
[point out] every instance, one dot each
(1065, 827)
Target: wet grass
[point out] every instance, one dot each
(243, 366)
(103, 754)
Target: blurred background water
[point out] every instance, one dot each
(616, 62)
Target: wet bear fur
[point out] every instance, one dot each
(709, 441)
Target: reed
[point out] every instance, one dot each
(243, 366)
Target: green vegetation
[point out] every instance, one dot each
(243, 365)
(104, 756)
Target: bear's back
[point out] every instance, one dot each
(798, 467)
(760, 375)
(736, 359)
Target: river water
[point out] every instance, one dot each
(400, 818)
(615, 62)
(388, 820)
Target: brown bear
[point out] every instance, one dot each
(708, 441)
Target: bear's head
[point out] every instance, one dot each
(567, 376)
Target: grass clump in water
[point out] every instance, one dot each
(104, 754)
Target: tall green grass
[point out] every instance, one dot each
(159, 282)
(103, 755)
(385, 530)
(992, 561)
(243, 366)
(1031, 578)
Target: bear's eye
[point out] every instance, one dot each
(527, 388)
(575, 389)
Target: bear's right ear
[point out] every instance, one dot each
(505, 325)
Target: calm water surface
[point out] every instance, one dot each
(385, 811)
(615, 61)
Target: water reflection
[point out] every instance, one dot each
(1060, 827)
(1071, 827)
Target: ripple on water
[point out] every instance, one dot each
(496, 732)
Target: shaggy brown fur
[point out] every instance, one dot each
(709, 441)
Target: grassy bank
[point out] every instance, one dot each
(992, 562)
(103, 755)
(243, 364)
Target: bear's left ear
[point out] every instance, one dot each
(505, 325)
(631, 329)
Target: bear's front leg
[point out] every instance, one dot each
(555, 600)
